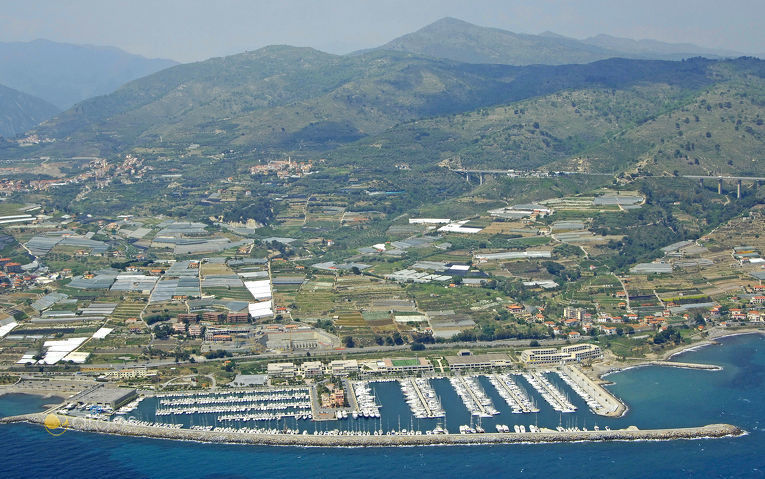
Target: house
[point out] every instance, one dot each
(237, 317)
(757, 300)
(195, 330)
(737, 315)
(338, 397)
(574, 335)
(213, 316)
(515, 308)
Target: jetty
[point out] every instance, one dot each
(385, 440)
(677, 364)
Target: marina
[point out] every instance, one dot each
(422, 405)
(239, 407)
(470, 404)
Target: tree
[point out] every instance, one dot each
(348, 341)
(418, 347)
(534, 343)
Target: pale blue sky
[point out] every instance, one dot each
(188, 30)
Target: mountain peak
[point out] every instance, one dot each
(458, 40)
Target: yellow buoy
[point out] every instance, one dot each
(54, 426)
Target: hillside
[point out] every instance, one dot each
(64, 74)
(288, 98)
(20, 112)
(461, 41)
(707, 120)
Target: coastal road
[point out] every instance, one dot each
(336, 352)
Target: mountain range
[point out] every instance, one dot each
(381, 106)
(461, 41)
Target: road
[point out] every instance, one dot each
(626, 293)
(338, 352)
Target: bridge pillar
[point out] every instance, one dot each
(467, 177)
(701, 183)
(719, 186)
(738, 189)
(480, 178)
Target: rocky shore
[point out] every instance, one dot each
(630, 434)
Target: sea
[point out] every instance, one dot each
(656, 396)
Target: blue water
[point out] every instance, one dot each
(658, 397)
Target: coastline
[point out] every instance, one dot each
(34, 392)
(664, 359)
(710, 431)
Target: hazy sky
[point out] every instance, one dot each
(188, 30)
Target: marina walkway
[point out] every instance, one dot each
(472, 393)
(422, 398)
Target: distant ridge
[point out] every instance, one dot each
(457, 40)
(20, 112)
(64, 74)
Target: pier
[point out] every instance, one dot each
(472, 394)
(384, 440)
(351, 396)
(513, 395)
(422, 398)
(550, 393)
(474, 398)
(423, 405)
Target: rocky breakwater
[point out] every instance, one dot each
(546, 436)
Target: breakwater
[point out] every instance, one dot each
(676, 364)
(544, 436)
